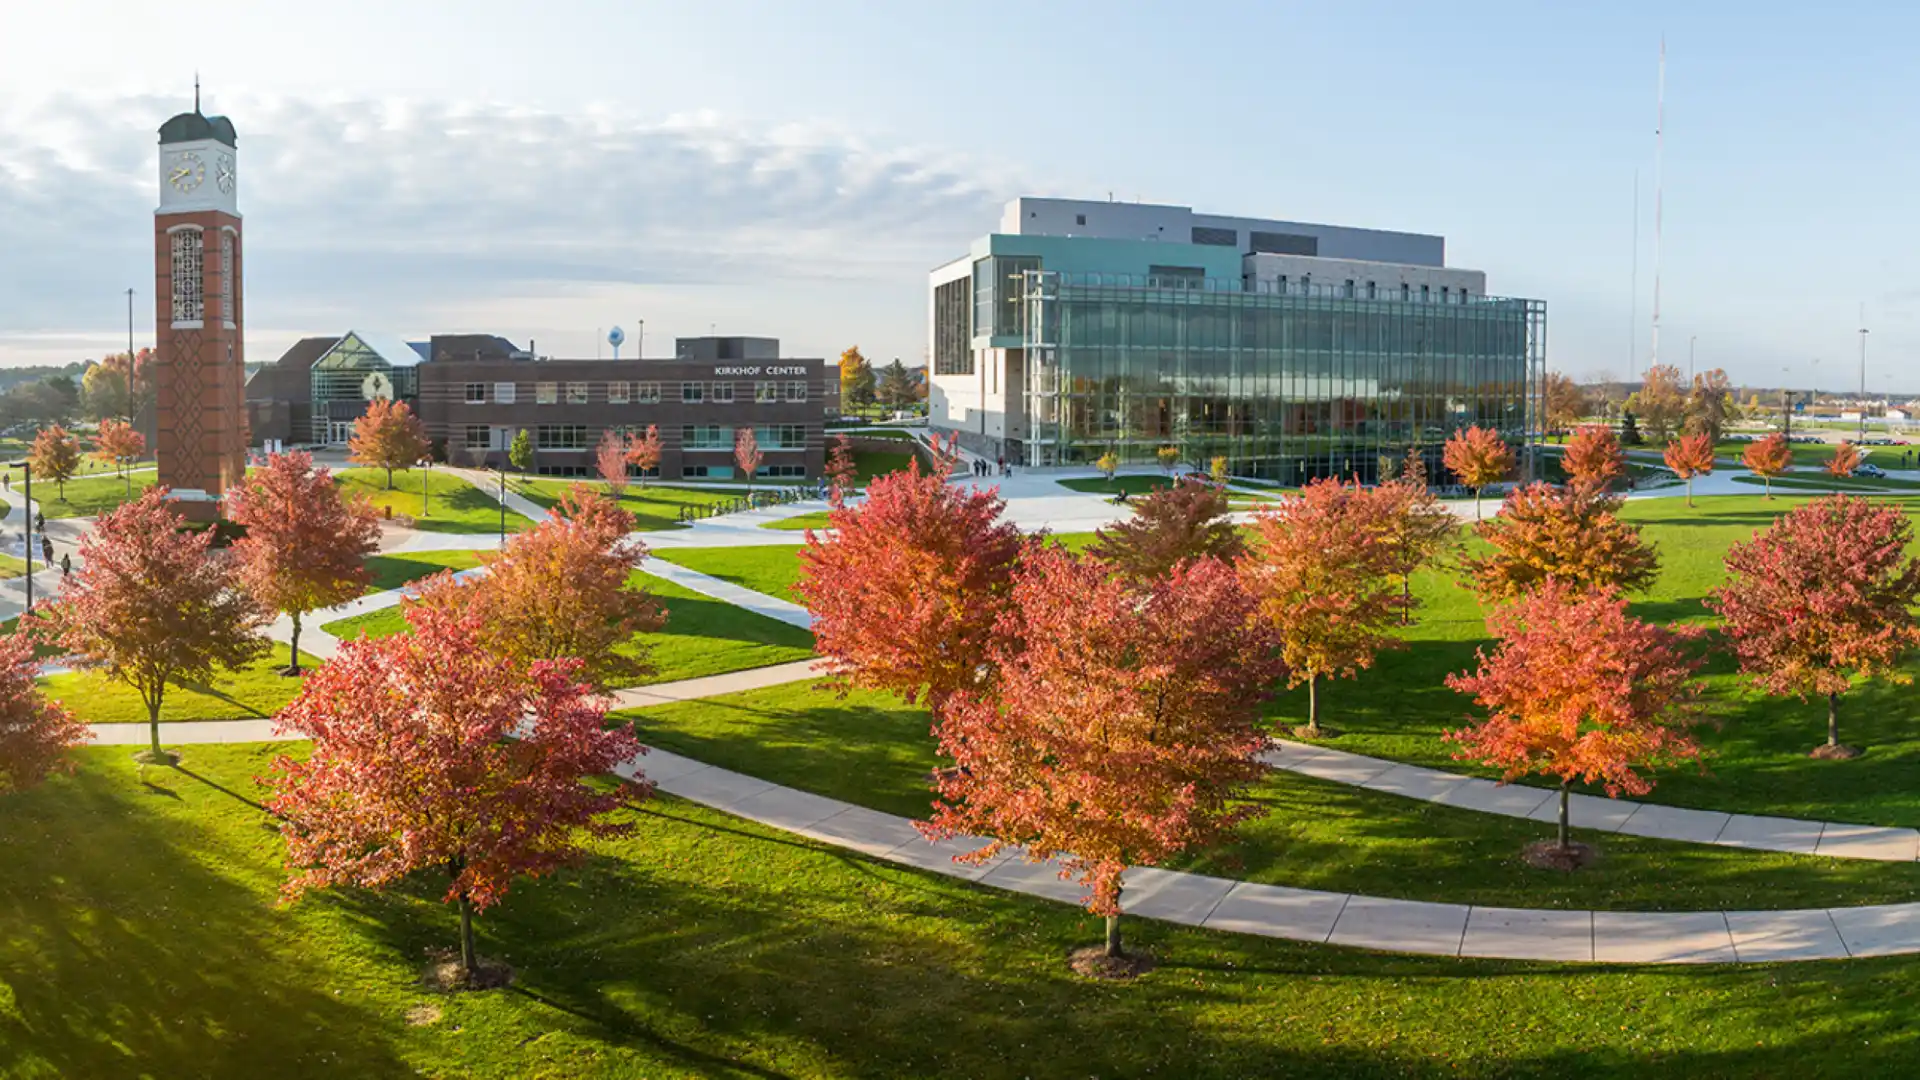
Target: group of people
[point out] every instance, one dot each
(998, 468)
(46, 547)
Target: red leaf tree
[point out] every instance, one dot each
(1320, 574)
(35, 733)
(907, 587)
(1478, 456)
(1768, 458)
(610, 460)
(55, 456)
(561, 590)
(305, 547)
(116, 443)
(1689, 456)
(746, 453)
(1593, 457)
(1846, 458)
(432, 752)
(1416, 527)
(643, 452)
(388, 437)
(840, 469)
(1822, 599)
(152, 605)
(1579, 690)
(1169, 526)
(1571, 534)
(1122, 729)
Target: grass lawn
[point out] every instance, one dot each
(89, 465)
(706, 946)
(1887, 457)
(248, 693)
(455, 505)
(1828, 484)
(88, 496)
(875, 751)
(703, 636)
(393, 571)
(12, 566)
(1759, 764)
(870, 464)
(771, 569)
(652, 507)
(815, 519)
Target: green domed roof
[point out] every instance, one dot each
(192, 127)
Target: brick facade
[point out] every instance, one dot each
(585, 403)
(200, 365)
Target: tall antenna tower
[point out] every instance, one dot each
(1659, 178)
(1633, 301)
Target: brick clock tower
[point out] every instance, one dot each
(199, 317)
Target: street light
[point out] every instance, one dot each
(26, 469)
(502, 472)
(426, 470)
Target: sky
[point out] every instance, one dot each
(546, 171)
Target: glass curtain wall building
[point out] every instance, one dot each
(1291, 366)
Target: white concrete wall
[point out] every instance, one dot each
(1029, 216)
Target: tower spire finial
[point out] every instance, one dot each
(196, 91)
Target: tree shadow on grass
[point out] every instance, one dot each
(125, 954)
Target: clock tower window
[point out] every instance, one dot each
(227, 314)
(188, 256)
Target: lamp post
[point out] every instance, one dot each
(426, 471)
(502, 472)
(1863, 373)
(130, 354)
(26, 468)
(1691, 342)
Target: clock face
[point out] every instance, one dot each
(223, 174)
(376, 386)
(188, 172)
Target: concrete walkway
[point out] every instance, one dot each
(1622, 816)
(1307, 915)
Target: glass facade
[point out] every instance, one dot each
(351, 374)
(1287, 385)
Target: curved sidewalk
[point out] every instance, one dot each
(1306, 915)
(1624, 816)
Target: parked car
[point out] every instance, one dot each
(1870, 469)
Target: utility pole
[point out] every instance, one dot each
(1691, 342)
(1863, 372)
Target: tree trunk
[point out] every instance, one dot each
(1114, 947)
(1833, 719)
(1476, 504)
(389, 478)
(1689, 491)
(1768, 481)
(1406, 597)
(153, 725)
(469, 960)
(1566, 835)
(293, 647)
(1313, 705)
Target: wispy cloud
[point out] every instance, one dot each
(384, 209)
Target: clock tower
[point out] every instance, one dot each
(199, 317)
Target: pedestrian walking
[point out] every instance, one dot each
(66, 566)
(46, 550)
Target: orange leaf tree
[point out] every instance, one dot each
(1169, 526)
(643, 452)
(1821, 599)
(840, 469)
(1593, 457)
(1846, 458)
(1579, 690)
(1122, 729)
(1768, 458)
(906, 589)
(1571, 534)
(1415, 526)
(1478, 456)
(1320, 575)
(305, 547)
(116, 443)
(562, 590)
(150, 605)
(55, 456)
(610, 461)
(432, 752)
(746, 453)
(35, 733)
(388, 437)
(1689, 456)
